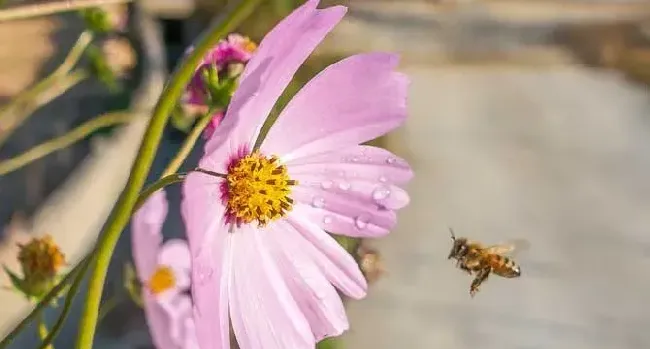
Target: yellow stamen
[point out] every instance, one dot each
(40, 259)
(162, 280)
(249, 45)
(258, 189)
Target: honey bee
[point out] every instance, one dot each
(481, 261)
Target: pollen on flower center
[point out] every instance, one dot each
(258, 189)
(162, 280)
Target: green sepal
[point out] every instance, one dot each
(16, 281)
(132, 285)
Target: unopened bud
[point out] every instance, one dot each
(370, 263)
(112, 18)
(41, 261)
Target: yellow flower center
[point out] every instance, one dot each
(249, 45)
(40, 259)
(162, 280)
(258, 189)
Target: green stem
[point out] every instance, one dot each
(43, 333)
(67, 306)
(19, 113)
(108, 306)
(71, 59)
(162, 182)
(77, 134)
(45, 302)
(43, 9)
(188, 144)
(140, 169)
(75, 276)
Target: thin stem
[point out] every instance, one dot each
(72, 58)
(211, 173)
(67, 306)
(140, 169)
(75, 54)
(78, 270)
(35, 10)
(162, 182)
(43, 333)
(22, 111)
(75, 276)
(108, 306)
(63, 141)
(188, 144)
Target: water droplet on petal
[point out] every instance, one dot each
(344, 185)
(380, 193)
(391, 160)
(355, 159)
(318, 202)
(203, 273)
(326, 184)
(327, 219)
(361, 221)
(383, 179)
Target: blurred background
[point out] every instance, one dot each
(529, 119)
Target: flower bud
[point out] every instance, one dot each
(41, 261)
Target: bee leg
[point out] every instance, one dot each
(481, 276)
(462, 266)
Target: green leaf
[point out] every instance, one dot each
(330, 343)
(132, 285)
(16, 281)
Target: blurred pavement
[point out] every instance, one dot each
(557, 155)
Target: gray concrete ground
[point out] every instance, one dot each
(560, 158)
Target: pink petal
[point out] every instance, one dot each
(268, 73)
(341, 214)
(175, 253)
(263, 312)
(203, 214)
(146, 234)
(210, 274)
(158, 322)
(315, 295)
(350, 102)
(335, 262)
(358, 161)
(202, 208)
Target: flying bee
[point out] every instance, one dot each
(480, 261)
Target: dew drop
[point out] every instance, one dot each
(327, 219)
(361, 222)
(203, 273)
(318, 202)
(355, 159)
(344, 185)
(326, 184)
(383, 179)
(380, 193)
(391, 160)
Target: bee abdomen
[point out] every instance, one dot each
(506, 267)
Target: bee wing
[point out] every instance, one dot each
(514, 245)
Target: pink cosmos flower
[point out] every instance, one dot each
(164, 271)
(236, 49)
(212, 125)
(261, 257)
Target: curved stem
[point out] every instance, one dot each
(140, 169)
(188, 144)
(35, 10)
(67, 306)
(162, 182)
(17, 113)
(75, 276)
(64, 141)
(45, 302)
(43, 333)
